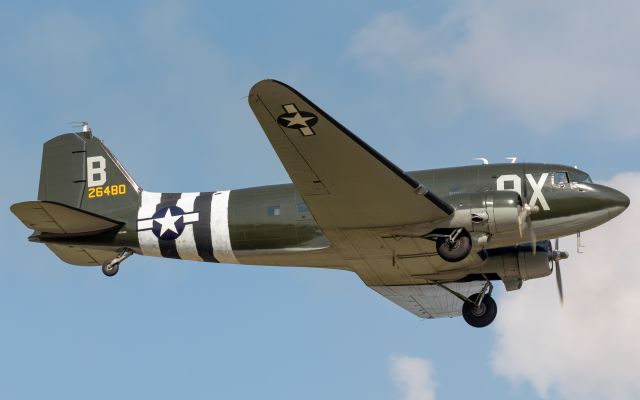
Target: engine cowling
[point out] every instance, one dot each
(489, 212)
(525, 265)
(517, 264)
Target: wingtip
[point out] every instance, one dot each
(265, 84)
(16, 207)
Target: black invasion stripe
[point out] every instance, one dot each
(202, 228)
(168, 248)
(445, 207)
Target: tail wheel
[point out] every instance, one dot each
(111, 267)
(482, 314)
(454, 250)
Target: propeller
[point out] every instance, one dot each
(524, 222)
(555, 256)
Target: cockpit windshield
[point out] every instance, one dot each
(579, 177)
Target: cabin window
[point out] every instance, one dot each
(560, 179)
(273, 211)
(302, 208)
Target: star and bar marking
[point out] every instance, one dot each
(296, 119)
(168, 223)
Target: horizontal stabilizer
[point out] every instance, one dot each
(49, 217)
(81, 255)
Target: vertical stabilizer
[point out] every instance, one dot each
(78, 170)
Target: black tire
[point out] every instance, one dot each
(483, 315)
(456, 251)
(108, 269)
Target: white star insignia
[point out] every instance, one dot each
(297, 119)
(168, 222)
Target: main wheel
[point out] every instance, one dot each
(482, 315)
(454, 251)
(110, 269)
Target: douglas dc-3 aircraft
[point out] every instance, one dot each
(430, 241)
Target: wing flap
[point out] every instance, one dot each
(50, 217)
(345, 182)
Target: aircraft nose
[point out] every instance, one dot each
(617, 202)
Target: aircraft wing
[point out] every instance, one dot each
(344, 182)
(429, 301)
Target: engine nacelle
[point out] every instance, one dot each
(517, 264)
(489, 212)
(525, 265)
(513, 265)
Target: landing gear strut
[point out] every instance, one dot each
(479, 309)
(111, 267)
(454, 247)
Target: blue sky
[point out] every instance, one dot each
(164, 85)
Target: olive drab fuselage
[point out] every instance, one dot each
(271, 224)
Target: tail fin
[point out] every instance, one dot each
(79, 171)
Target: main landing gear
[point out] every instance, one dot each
(479, 309)
(111, 267)
(454, 247)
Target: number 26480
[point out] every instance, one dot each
(110, 190)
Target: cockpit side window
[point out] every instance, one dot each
(560, 179)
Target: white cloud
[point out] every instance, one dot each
(588, 349)
(543, 62)
(414, 377)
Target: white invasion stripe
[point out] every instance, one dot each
(148, 241)
(145, 224)
(222, 250)
(186, 242)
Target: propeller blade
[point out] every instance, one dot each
(559, 281)
(524, 220)
(532, 236)
(555, 256)
(522, 217)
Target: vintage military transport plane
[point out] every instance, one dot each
(430, 241)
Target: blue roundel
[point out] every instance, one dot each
(168, 223)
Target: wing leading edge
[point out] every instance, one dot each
(344, 182)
